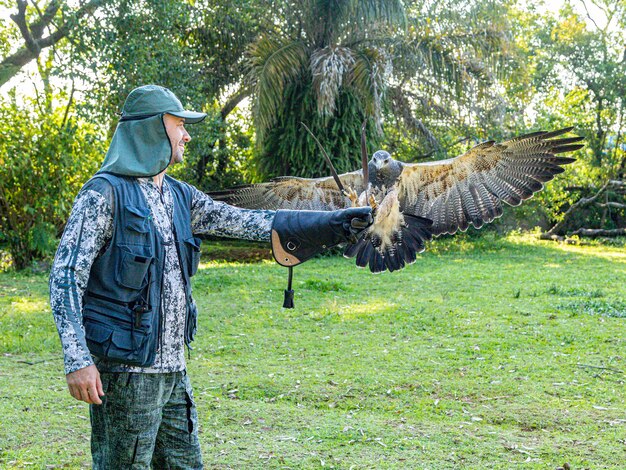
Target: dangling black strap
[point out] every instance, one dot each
(288, 303)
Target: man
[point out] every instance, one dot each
(120, 284)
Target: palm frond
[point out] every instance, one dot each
(272, 64)
(373, 14)
(370, 74)
(330, 22)
(329, 67)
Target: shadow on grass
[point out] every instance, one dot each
(457, 272)
(237, 251)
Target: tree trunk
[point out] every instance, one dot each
(598, 232)
(553, 233)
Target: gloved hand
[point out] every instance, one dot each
(299, 235)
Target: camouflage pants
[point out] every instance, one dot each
(145, 420)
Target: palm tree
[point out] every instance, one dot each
(334, 63)
(324, 65)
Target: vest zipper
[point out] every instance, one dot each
(161, 310)
(187, 289)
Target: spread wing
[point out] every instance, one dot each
(469, 189)
(294, 193)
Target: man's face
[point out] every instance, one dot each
(175, 128)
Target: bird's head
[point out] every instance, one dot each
(383, 169)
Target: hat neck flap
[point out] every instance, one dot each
(139, 148)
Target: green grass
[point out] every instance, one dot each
(486, 353)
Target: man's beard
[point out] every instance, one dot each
(177, 154)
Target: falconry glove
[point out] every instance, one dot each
(299, 235)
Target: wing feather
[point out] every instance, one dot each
(287, 192)
(469, 189)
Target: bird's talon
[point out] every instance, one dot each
(373, 203)
(353, 196)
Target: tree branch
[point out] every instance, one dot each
(45, 18)
(12, 64)
(552, 234)
(582, 202)
(20, 20)
(590, 17)
(617, 205)
(69, 105)
(598, 232)
(233, 101)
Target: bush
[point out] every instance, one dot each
(219, 155)
(45, 157)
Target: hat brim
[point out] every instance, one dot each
(190, 117)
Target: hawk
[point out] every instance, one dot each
(413, 202)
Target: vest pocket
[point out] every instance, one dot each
(110, 333)
(98, 338)
(192, 246)
(137, 219)
(116, 345)
(133, 269)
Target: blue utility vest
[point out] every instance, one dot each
(122, 308)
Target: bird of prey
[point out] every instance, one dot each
(414, 201)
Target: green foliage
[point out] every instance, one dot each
(196, 50)
(289, 149)
(431, 78)
(134, 44)
(579, 73)
(595, 86)
(452, 62)
(45, 157)
(422, 72)
(220, 33)
(220, 153)
(9, 32)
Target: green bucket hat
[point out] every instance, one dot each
(140, 146)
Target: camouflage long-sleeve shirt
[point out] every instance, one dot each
(87, 234)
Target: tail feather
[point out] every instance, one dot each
(353, 248)
(371, 251)
(408, 254)
(416, 221)
(364, 254)
(377, 262)
(393, 261)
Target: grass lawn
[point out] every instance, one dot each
(486, 353)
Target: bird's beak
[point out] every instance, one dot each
(378, 164)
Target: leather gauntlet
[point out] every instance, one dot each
(299, 235)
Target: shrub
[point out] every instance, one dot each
(45, 157)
